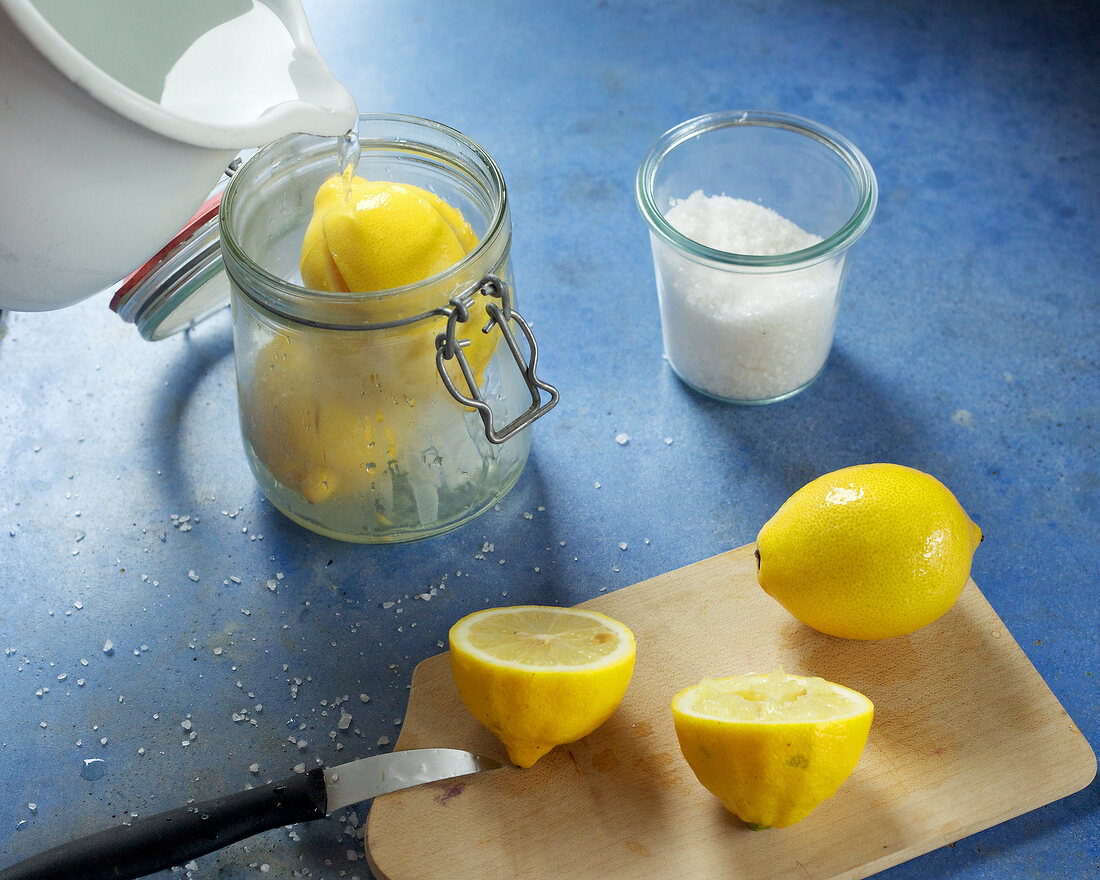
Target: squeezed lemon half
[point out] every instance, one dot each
(368, 235)
(540, 676)
(771, 746)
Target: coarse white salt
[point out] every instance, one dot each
(752, 333)
(737, 226)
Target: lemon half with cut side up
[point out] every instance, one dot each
(540, 676)
(771, 746)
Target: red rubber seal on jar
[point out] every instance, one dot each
(202, 216)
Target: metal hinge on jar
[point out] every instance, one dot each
(448, 346)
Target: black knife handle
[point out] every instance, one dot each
(172, 838)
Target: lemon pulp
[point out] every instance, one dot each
(538, 637)
(540, 676)
(776, 697)
(771, 747)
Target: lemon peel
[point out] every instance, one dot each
(540, 676)
(366, 236)
(868, 552)
(771, 746)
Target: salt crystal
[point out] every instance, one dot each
(744, 335)
(108, 646)
(622, 439)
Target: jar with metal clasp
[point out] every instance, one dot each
(385, 416)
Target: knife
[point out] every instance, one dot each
(163, 840)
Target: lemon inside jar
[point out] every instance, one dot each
(347, 418)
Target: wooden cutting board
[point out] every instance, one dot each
(966, 734)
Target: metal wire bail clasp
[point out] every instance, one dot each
(448, 346)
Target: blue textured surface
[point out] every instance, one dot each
(967, 347)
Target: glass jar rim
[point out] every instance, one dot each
(292, 300)
(844, 149)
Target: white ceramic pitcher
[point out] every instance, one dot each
(118, 118)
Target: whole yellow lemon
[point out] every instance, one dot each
(868, 552)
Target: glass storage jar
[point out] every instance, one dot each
(384, 416)
(752, 326)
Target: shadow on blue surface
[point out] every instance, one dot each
(794, 440)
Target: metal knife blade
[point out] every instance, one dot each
(153, 843)
(380, 774)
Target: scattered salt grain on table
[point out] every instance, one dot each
(746, 334)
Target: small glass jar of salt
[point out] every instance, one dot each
(751, 215)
